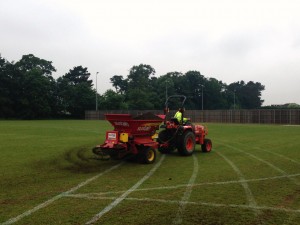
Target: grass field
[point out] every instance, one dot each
(50, 176)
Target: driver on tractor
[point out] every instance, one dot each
(178, 115)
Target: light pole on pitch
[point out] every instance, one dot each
(167, 89)
(202, 94)
(234, 99)
(96, 93)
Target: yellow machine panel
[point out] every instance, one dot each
(124, 137)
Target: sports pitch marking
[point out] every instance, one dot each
(96, 195)
(48, 202)
(279, 155)
(99, 195)
(123, 196)
(295, 181)
(188, 192)
(189, 203)
(244, 183)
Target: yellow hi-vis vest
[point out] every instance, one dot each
(178, 116)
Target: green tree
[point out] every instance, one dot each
(139, 87)
(188, 84)
(112, 100)
(34, 95)
(6, 88)
(213, 94)
(75, 93)
(30, 62)
(192, 82)
(142, 91)
(139, 76)
(64, 97)
(78, 75)
(246, 96)
(119, 84)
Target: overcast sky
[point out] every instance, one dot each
(230, 40)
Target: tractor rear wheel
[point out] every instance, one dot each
(165, 137)
(147, 155)
(187, 143)
(206, 146)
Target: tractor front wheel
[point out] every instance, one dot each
(187, 143)
(147, 155)
(206, 146)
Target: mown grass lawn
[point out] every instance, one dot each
(252, 176)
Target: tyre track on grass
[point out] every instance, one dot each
(124, 195)
(59, 196)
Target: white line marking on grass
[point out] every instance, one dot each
(123, 196)
(48, 202)
(219, 205)
(191, 203)
(281, 156)
(193, 185)
(243, 181)
(266, 162)
(187, 194)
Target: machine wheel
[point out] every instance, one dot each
(163, 137)
(147, 155)
(187, 143)
(206, 146)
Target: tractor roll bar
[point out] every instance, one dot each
(175, 96)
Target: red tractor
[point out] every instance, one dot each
(136, 137)
(181, 135)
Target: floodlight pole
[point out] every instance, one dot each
(234, 99)
(166, 90)
(96, 93)
(202, 95)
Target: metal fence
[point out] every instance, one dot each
(258, 116)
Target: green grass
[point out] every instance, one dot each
(42, 159)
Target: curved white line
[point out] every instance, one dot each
(243, 181)
(188, 192)
(95, 195)
(123, 196)
(48, 202)
(279, 155)
(295, 181)
(296, 211)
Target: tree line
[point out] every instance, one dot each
(29, 91)
(142, 90)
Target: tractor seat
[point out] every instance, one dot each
(175, 120)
